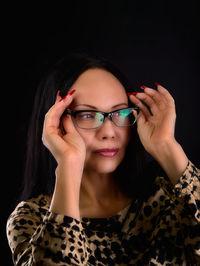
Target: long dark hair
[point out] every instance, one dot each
(40, 165)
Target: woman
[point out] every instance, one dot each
(93, 195)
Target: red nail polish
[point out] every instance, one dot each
(62, 99)
(133, 93)
(72, 92)
(143, 87)
(157, 84)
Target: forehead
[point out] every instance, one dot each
(99, 88)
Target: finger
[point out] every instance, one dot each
(141, 106)
(68, 124)
(51, 127)
(52, 118)
(141, 120)
(149, 101)
(158, 98)
(165, 93)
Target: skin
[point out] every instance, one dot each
(98, 188)
(84, 180)
(95, 87)
(157, 131)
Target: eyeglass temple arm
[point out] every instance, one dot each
(68, 112)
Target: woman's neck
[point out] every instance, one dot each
(99, 189)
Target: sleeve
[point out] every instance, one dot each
(54, 240)
(186, 197)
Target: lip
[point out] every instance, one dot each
(107, 152)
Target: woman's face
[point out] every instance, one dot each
(97, 89)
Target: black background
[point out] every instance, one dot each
(150, 41)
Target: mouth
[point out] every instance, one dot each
(109, 153)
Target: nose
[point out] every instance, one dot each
(107, 130)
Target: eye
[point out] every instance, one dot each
(116, 113)
(85, 116)
(124, 112)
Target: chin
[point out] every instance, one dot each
(107, 170)
(105, 167)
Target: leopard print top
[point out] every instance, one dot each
(164, 230)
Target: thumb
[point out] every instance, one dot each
(68, 124)
(141, 120)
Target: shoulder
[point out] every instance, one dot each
(26, 217)
(38, 205)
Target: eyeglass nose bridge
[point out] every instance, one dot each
(109, 115)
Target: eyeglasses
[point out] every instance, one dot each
(91, 119)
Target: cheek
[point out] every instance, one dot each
(87, 136)
(125, 136)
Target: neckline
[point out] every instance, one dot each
(113, 224)
(115, 216)
(121, 213)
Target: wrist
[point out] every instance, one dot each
(69, 172)
(163, 149)
(66, 194)
(172, 159)
(71, 160)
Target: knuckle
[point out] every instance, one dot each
(45, 136)
(46, 116)
(44, 139)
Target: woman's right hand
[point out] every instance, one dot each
(63, 146)
(69, 151)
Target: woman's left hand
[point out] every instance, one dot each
(158, 127)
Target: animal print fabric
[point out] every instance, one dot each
(164, 230)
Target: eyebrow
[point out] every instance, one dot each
(93, 107)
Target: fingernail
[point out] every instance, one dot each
(69, 94)
(62, 99)
(143, 87)
(157, 84)
(133, 93)
(72, 92)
